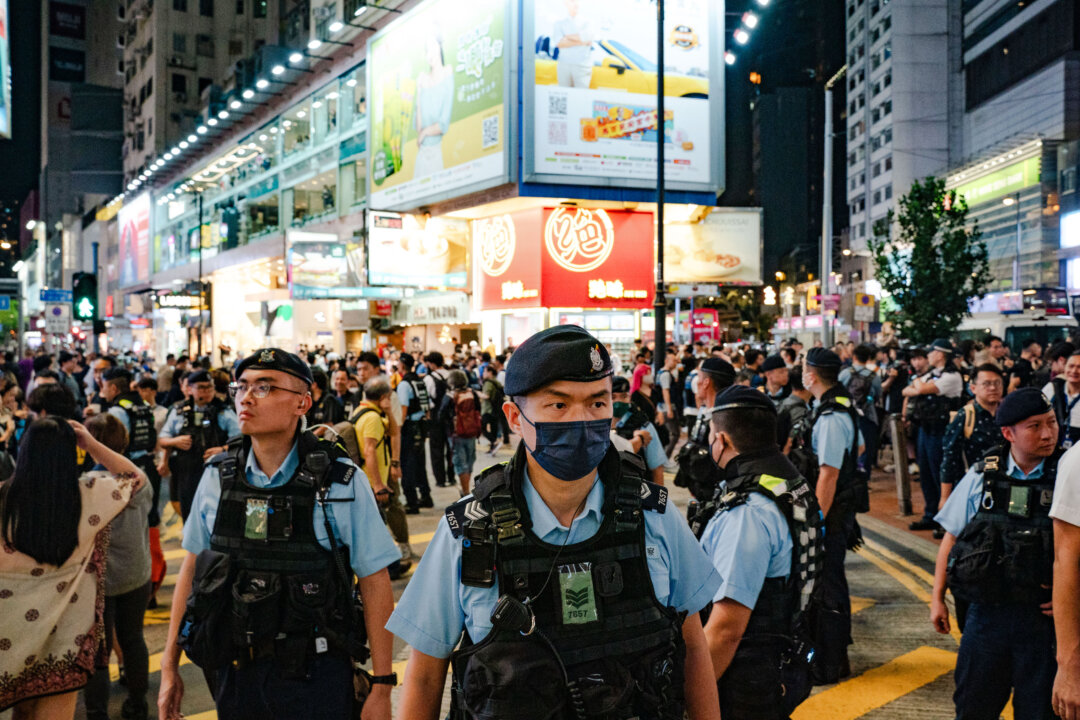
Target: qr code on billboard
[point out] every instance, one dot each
(557, 133)
(489, 132)
(557, 105)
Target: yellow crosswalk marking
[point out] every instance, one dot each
(858, 604)
(878, 687)
(175, 554)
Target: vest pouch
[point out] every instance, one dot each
(309, 600)
(207, 620)
(1027, 559)
(752, 686)
(974, 571)
(861, 491)
(509, 675)
(601, 687)
(256, 601)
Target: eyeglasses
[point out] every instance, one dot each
(259, 390)
(990, 384)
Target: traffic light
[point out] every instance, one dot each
(85, 295)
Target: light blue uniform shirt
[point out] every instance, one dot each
(354, 516)
(226, 420)
(747, 544)
(654, 451)
(405, 395)
(436, 606)
(832, 437)
(121, 414)
(965, 499)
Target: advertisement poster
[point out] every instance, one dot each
(417, 251)
(437, 84)
(565, 257)
(591, 111)
(724, 248)
(134, 222)
(5, 72)
(322, 266)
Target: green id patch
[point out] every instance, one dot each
(1020, 501)
(257, 519)
(577, 594)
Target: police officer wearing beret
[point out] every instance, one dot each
(697, 472)
(128, 407)
(628, 420)
(998, 555)
(280, 524)
(751, 526)
(826, 448)
(195, 430)
(775, 371)
(571, 587)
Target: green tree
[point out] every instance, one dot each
(930, 261)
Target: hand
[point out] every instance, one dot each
(163, 469)
(211, 452)
(382, 494)
(1047, 609)
(377, 705)
(395, 472)
(90, 411)
(1066, 696)
(182, 442)
(671, 413)
(170, 694)
(646, 438)
(939, 616)
(82, 436)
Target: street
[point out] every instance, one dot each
(900, 667)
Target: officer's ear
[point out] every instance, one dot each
(1009, 433)
(512, 411)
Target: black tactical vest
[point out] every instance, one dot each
(578, 632)
(1005, 555)
(802, 454)
(419, 400)
(205, 432)
(142, 435)
(697, 471)
(932, 412)
(291, 598)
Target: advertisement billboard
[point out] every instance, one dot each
(724, 248)
(5, 72)
(322, 266)
(565, 257)
(438, 85)
(590, 114)
(134, 222)
(417, 251)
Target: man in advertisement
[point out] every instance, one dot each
(574, 40)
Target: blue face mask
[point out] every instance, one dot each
(570, 450)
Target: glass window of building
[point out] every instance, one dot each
(260, 216)
(356, 87)
(354, 183)
(315, 199)
(297, 127)
(324, 113)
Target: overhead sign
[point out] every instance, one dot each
(724, 248)
(590, 109)
(435, 309)
(135, 241)
(5, 302)
(437, 82)
(5, 72)
(67, 20)
(179, 301)
(1001, 182)
(565, 257)
(57, 318)
(864, 307)
(322, 266)
(56, 296)
(417, 251)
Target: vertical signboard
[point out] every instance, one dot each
(439, 87)
(590, 111)
(134, 221)
(5, 72)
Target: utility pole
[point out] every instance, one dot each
(94, 246)
(660, 302)
(827, 209)
(202, 300)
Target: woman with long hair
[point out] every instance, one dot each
(52, 559)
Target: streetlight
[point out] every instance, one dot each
(1008, 201)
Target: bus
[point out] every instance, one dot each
(1041, 314)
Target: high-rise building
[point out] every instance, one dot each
(177, 53)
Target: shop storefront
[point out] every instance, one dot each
(435, 321)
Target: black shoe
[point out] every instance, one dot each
(134, 709)
(939, 533)
(412, 510)
(398, 568)
(427, 502)
(152, 603)
(923, 524)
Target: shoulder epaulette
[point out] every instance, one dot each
(654, 497)
(466, 509)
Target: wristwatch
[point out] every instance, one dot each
(395, 463)
(390, 679)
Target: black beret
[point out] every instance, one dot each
(941, 344)
(199, 376)
(275, 359)
(740, 397)
(563, 352)
(619, 384)
(1021, 404)
(722, 371)
(823, 358)
(773, 362)
(116, 373)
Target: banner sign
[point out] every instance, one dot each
(135, 241)
(417, 251)
(321, 266)
(724, 248)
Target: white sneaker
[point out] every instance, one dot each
(913, 468)
(406, 551)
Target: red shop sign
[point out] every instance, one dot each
(507, 250)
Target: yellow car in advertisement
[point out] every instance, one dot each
(620, 68)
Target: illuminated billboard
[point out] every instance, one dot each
(5, 72)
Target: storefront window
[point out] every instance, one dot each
(297, 128)
(261, 216)
(353, 183)
(356, 93)
(324, 113)
(315, 199)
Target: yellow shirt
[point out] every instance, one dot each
(374, 425)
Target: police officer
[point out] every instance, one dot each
(138, 419)
(973, 432)
(582, 615)
(283, 634)
(697, 472)
(196, 429)
(775, 371)
(828, 447)
(758, 513)
(934, 395)
(998, 555)
(416, 406)
(628, 420)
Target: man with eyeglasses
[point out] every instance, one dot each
(1063, 392)
(286, 530)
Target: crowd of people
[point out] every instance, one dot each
(776, 445)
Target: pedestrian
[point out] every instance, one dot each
(763, 532)
(438, 441)
(69, 365)
(864, 388)
(1065, 512)
(1030, 360)
(196, 429)
(666, 392)
(412, 392)
(295, 629)
(147, 387)
(460, 418)
(973, 432)
(127, 591)
(348, 398)
(1001, 507)
(596, 590)
(51, 519)
(628, 420)
(491, 407)
(1063, 392)
(325, 408)
(932, 396)
(697, 472)
(828, 450)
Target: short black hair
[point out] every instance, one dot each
(48, 374)
(750, 429)
(147, 383)
(795, 378)
(53, 399)
(789, 353)
(320, 379)
(1029, 342)
(42, 362)
(1059, 350)
(368, 357)
(917, 352)
(863, 353)
(407, 361)
(990, 368)
(435, 358)
(751, 356)
(991, 338)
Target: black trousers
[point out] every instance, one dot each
(414, 482)
(147, 465)
(260, 691)
(439, 452)
(832, 626)
(125, 614)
